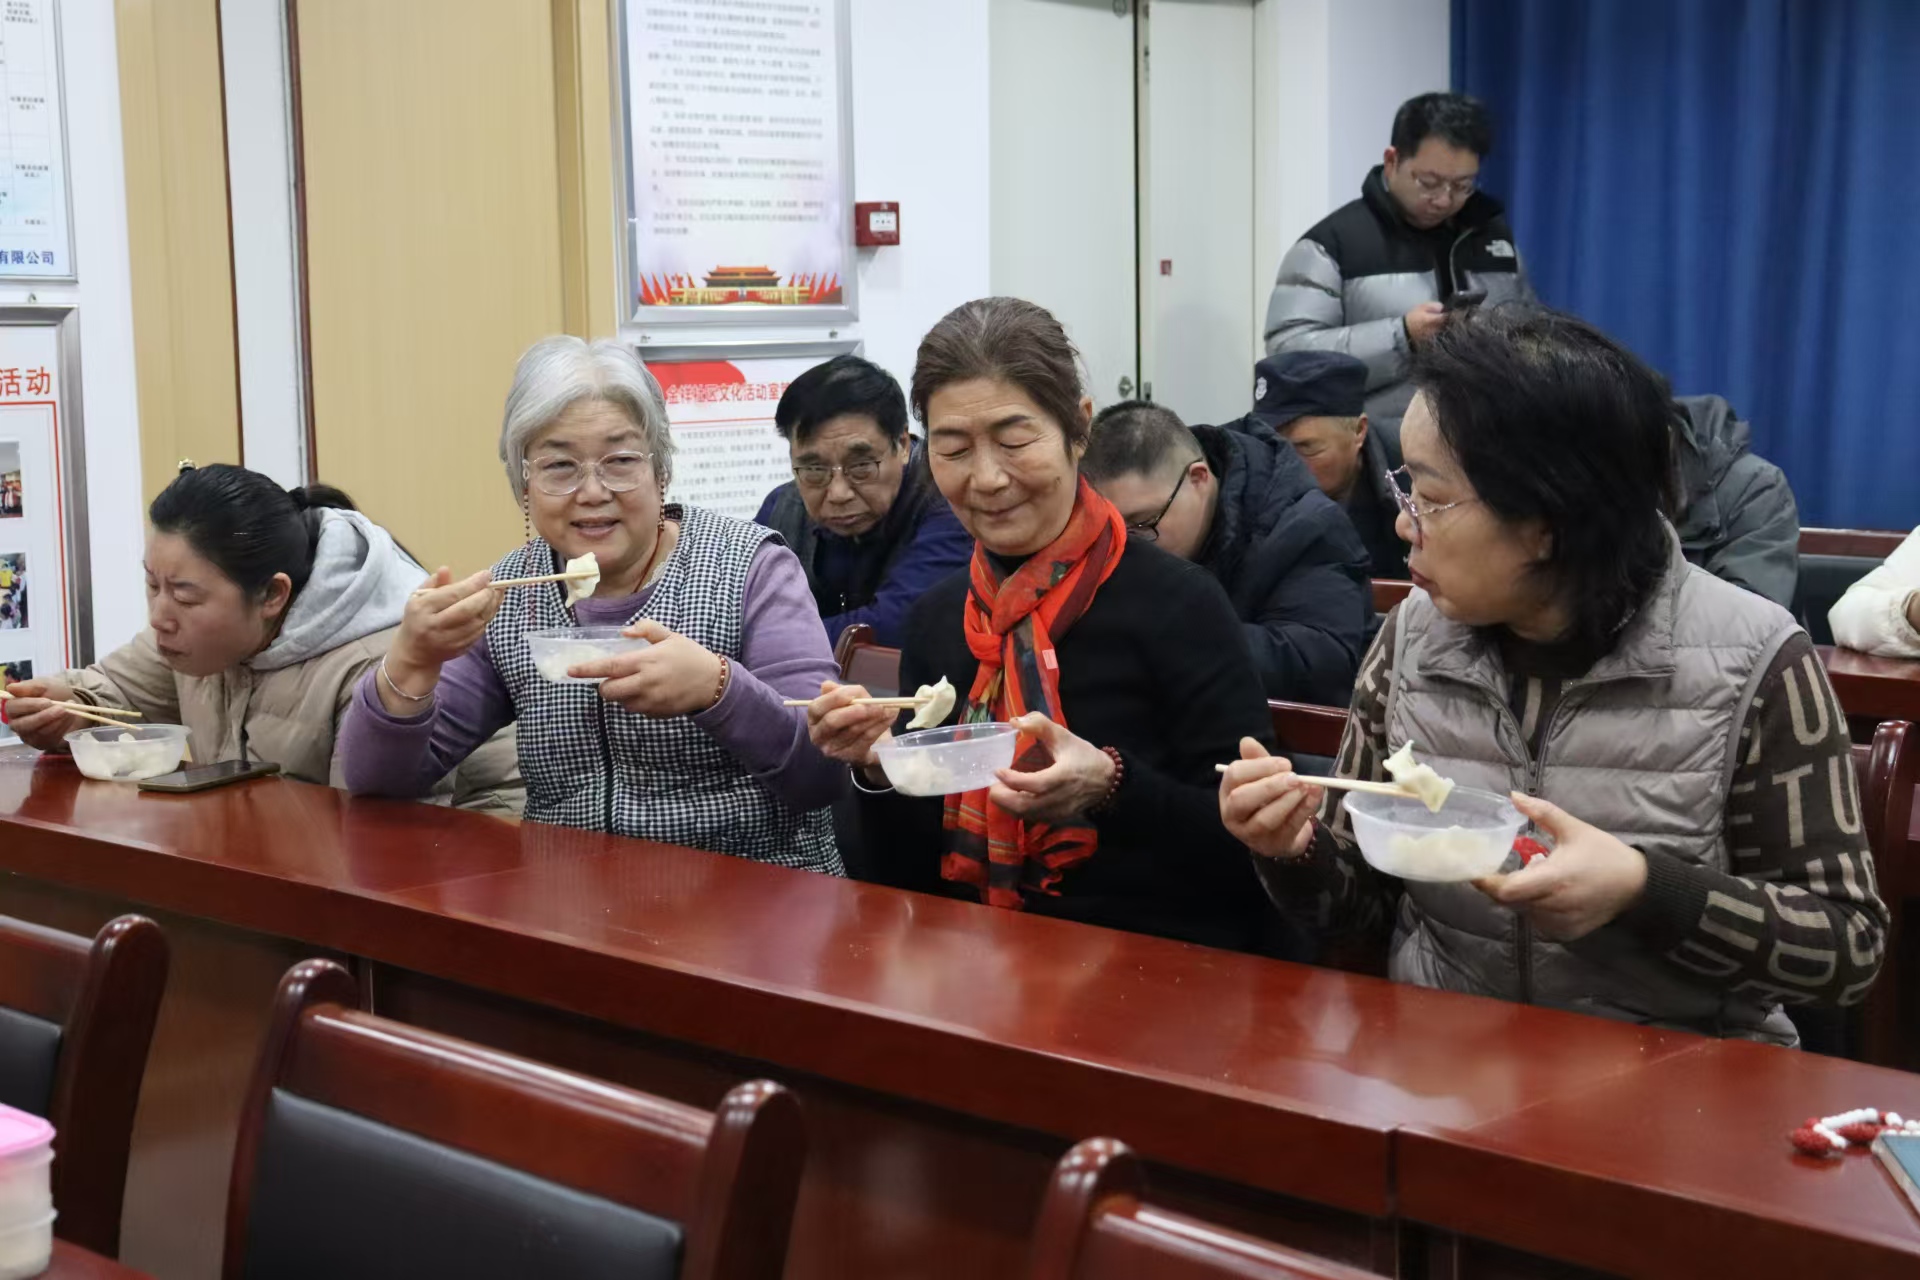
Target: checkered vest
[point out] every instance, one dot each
(591, 764)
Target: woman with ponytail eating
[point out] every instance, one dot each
(1124, 667)
(264, 606)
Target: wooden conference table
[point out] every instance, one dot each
(1875, 688)
(947, 1054)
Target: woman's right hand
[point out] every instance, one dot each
(32, 715)
(845, 732)
(1265, 806)
(444, 619)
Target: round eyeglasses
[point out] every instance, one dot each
(559, 476)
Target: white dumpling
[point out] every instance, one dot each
(936, 703)
(1427, 786)
(588, 581)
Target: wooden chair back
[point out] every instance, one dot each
(1095, 1224)
(76, 1021)
(561, 1173)
(1388, 592)
(874, 667)
(1888, 771)
(1304, 729)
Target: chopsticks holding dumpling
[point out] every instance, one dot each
(582, 576)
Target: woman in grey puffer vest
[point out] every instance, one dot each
(1671, 736)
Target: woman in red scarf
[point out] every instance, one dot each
(1124, 666)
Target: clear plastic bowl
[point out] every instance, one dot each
(27, 1250)
(558, 648)
(128, 753)
(1470, 837)
(945, 762)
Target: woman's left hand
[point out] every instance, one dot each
(1078, 778)
(1586, 882)
(672, 676)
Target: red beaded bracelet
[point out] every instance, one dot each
(1113, 787)
(720, 689)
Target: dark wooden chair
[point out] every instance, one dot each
(76, 1020)
(1388, 592)
(1304, 729)
(874, 667)
(1095, 1224)
(1831, 560)
(1889, 770)
(373, 1149)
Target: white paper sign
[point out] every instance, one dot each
(728, 457)
(34, 238)
(33, 563)
(736, 159)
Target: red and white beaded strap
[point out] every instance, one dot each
(1834, 1134)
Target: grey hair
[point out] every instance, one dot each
(557, 372)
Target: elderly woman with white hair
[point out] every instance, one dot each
(686, 741)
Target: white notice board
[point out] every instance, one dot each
(737, 140)
(35, 238)
(43, 548)
(727, 454)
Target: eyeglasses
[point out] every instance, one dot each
(1149, 530)
(816, 476)
(1458, 188)
(558, 476)
(1415, 512)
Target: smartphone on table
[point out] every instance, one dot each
(1900, 1153)
(205, 776)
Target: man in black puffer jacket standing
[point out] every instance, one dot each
(1375, 278)
(1239, 502)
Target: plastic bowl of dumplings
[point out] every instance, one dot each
(1470, 837)
(557, 649)
(128, 753)
(945, 762)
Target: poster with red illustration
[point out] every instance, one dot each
(727, 455)
(738, 182)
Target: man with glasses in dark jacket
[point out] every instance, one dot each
(1376, 277)
(861, 512)
(1238, 502)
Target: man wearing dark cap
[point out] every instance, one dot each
(1317, 401)
(1237, 501)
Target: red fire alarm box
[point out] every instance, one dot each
(876, 222)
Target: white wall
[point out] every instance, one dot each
(1328, 78)
(920, 137)
(104, 297)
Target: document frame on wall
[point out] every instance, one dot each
(36, 178)
(728, 456)
(46, 609)
(689, 253)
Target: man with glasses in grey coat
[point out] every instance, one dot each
(1377, 276)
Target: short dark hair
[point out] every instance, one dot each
(1010, 340)
(1552, 420)
(1135, 437)
(245, 524)
(844, 384)
(1454, 118)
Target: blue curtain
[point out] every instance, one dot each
(1732, 188)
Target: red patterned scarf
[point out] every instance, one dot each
(1012, 625)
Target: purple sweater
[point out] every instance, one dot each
(783, 654)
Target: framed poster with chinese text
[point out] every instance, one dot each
(46, 620)
(736, 149)
(727, 454)
(36, 241)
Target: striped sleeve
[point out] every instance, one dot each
(1332, 889)
(1799, 920)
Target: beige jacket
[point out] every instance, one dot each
(289, 716)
